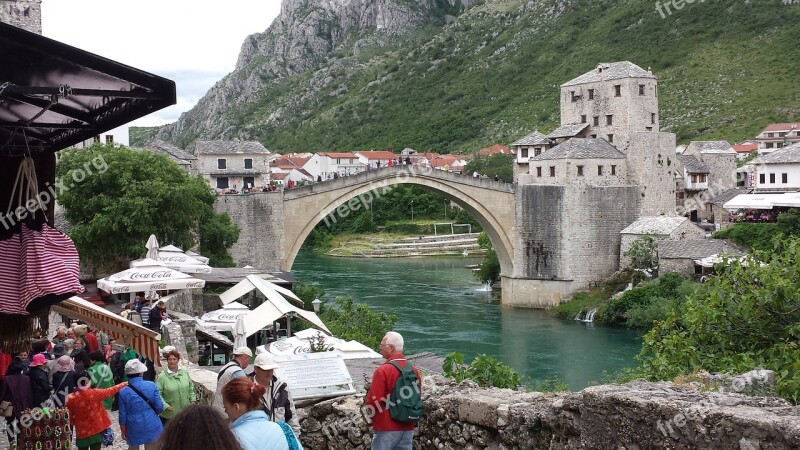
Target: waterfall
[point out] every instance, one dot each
(588, 318)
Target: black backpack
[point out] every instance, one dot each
(405, 402)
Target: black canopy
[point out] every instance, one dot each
(53, 95)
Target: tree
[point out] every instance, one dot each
(746, 317)
(489, 269)
(643, 253)
(115, 198)
(356, 321)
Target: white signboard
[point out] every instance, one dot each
(315, 375)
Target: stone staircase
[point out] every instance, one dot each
(456, 244)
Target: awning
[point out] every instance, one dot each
(273, 308)
(53, 95)
(751, 201)
(791, 199)
(141, 339)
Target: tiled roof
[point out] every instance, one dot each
(160, 146)
(745, 148)
(339, 155)
(658, 225)
(534, 138)
(581, 148)
(229, 148)
(279, 175)
(611, 71)
(697, 248)
(692, 165)
(568, 130)
(379, 154)
(782, 127)
(706, 147)
(786, 155)
(495, 149)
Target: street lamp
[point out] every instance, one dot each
(317, 303)
(412, 210)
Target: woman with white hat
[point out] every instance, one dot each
(140, 404)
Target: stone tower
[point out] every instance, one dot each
(25, 14)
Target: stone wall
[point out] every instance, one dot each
(260, 218)
(182, 335)
(636, 415)
(187, 301)
(25, 14)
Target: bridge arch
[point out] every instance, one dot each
(491, 203)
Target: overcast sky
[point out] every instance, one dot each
(194, 43)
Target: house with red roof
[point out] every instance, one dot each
(376, 159)
(495, 149)
(330, 165)
(745, 149)
(778, 135)
(449, 163)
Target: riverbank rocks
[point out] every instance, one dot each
(636, 415)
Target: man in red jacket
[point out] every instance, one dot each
(388, 433)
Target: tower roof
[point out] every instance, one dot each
(611, 71)
(581, 148)
(534, 138)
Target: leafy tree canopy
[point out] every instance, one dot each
(116, 198)
(744, 318)
(356, 321)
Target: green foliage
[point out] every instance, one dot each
(217, 235)
(484, 370)
(725, 70)
(585, 300)
(497, 165)
(761, 236)
(356, 321)
(645, 304)
(126, 196)
(139, 136)
(745, 318)
(489, 269)
(549, 385)
(308, 292)
(643, 253)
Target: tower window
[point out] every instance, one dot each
(610, 119)
(617, 90)
(600, 170)
(591, 94)
(613, 169)
(222, 163)
(539, 171)
(610, 138)
(596, 120)
(583, 118)
(641, 89)
(580, 171)
(552, 171)
(653, 118)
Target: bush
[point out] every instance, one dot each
(484, 370)
(356, 321)
(641, 306)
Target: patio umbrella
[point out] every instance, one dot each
(152, 253)
(223, 319)
(240, 334)
(197, 256)
(174, 258)
(146, 275)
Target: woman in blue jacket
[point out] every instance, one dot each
(241, 399)
(139, 406)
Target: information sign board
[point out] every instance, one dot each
(315, 375)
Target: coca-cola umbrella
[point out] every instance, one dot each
(146, 275)
(174, 258)
(152, 253)
(197, 256)
(223, 319)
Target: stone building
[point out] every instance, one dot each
(679, 256)
(703, 171)
(580, 161)
(232, 164)
(661, 227)
(184, 159)
(25, 14)
(526, 148)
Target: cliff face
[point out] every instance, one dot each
(305, 34)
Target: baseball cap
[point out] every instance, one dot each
(38, 360)
(135, 366)
(243, 351)
(265, 361)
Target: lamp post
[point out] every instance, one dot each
(317, 303)
(412, 210)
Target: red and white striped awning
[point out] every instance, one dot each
(141, 339)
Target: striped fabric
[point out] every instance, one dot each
(141, 339)
(50, 267)
(9, 276)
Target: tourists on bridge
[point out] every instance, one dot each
(234, 369)
(277, 402)
(388, 432)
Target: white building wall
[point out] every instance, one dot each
(792, 172)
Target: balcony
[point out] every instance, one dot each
(697, 186)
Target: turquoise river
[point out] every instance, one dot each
(441, 308)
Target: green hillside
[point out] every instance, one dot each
(726, 69)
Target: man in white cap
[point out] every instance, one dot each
(234, 369)
(277, 402)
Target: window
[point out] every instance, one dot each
(617, 90)
(538, 171)
(591, 94)
(338, 160)
(769, 145)
(784, 178)
(772, 178)
(611, 138)
(694, 178)
(762, 179)
(703, 178)
(779, 145)
(600, 170)
(641, 89)
(782, 134)
(609, 119)
(613, 169)
(248, 182)
(248, 163)
(648, 128)
(653, 118)
(537, 151)
(583, 118)
(97, 139)
(109, 139)
(770, 134)
(222, 163)
(523, 153)
(580, 171)
(552, 171)
(594, 136)
(596, 120)
(222, 183)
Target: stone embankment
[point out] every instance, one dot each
(637, 415)
(456, 244)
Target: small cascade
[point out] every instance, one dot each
(486, 288)
(588, 317)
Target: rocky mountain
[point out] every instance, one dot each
(446, 75)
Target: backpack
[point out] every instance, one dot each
(117, 366)
(405, 402)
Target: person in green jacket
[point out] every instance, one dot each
(176, 387)
(101, 375)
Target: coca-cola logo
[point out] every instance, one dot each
(231, 317)
(150, 276)
(195, 284)
(157, 286)
(121, 290)
(173, 258)
(303, 349)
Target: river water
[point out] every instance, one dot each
(441, 308)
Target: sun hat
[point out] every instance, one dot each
(38, 360)
(134, 367)
(265, 361)
(59, 350)
(65, 364)
(243, 351)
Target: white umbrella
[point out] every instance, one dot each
(197, 256)
(152, 253)
(240, 334)
(174, 258)
(147, 275)
(224, 319)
